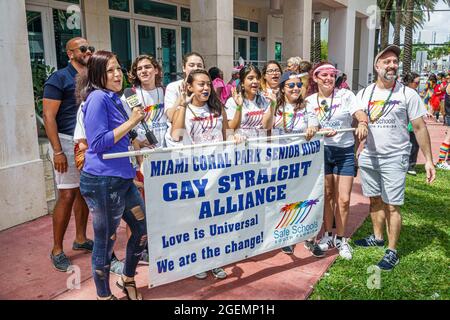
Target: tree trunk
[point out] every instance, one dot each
(398, 21)
(312, 58)
(385, 17)
(317, 40)
(408, 37)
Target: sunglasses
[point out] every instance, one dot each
(83, 49)
(292, 85)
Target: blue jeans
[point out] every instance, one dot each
(110, 199)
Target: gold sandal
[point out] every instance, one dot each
(126, 285)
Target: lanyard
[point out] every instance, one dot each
(386, 102)
(326, 109)
(132, 133)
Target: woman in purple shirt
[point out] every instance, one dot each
(107, 185)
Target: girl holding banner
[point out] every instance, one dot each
(107, 185)
(200, 118)
(249, 111)
(293, 116)
(336, 109)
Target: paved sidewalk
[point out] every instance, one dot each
(26, 271)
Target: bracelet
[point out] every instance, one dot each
(58, 153)
(238, 108)
(363, 122)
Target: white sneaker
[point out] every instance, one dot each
(345, 251)
(443, 165)
(326, 243)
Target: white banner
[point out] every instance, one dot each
(207, 207)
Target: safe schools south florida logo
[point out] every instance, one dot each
(291, 224)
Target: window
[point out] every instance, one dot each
(253, 26)
(147, 40)
(254, 48)
(119, 5)
(120, 39)
(240, 24)
(156, 9)
(278, 49)
(35, 36)
(70, 1)
(185, 14)
(185, 40)
(65, 30)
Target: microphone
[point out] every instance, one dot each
(133, 102)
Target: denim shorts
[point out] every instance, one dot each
(340, 161)
(447, 120)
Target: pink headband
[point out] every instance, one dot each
(327, 67)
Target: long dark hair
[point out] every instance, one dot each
(243, 73)
(213, 101)
(132, 74)
(281, 101)
(264, 70)
(95, 77)
(409, 78)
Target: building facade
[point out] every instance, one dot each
(223, 31)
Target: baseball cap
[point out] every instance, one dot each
(392, 47)
(290, 75)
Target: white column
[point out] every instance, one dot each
(21, 169)
(366, 53)
(297, 16)
(97, 24)
(341, 40)
(212, 32)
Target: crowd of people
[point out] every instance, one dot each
(87, 115)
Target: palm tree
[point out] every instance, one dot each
(398, 21)
(386, 10)
(408, 37)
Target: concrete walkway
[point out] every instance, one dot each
(26, 271)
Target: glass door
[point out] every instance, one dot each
(146, 38)
(241, 47)
(168, 53)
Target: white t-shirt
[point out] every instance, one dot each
(252, 115)
(79, 132)
(172, 93)
(156, 119)
(202, 126)
(388, 125)
(338, 116)
(288, 121)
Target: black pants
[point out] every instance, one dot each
(414, 151)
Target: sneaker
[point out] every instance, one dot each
(144, 259)
(345, 251)
(412, 172)
(88, 245)
(389, 261)
(288, 249)
(443, 165)
(219, 273)
(326, 242)
(60, 262)
(369, 241)
(201, 275)
(314, 249)
(116, 266)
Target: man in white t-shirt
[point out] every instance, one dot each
(384, 161)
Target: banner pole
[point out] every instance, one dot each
(222, 143)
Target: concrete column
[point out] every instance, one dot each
(366, 75)
(297, 28)
(212, 32)
(21, 170)
(341, 40)
(97, 24)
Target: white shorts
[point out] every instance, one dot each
(71, 178)
(384, 177)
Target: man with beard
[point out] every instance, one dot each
(60, 110)
(384, 161)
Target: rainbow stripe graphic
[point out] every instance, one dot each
(154, 112)
(296, 212)
(325, 114)
(378, 110)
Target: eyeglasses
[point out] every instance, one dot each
(272, 71)
(292, 85)
(83, 49)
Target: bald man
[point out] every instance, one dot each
(60, 110)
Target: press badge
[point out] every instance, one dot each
(132, 158)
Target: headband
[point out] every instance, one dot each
(328, 67)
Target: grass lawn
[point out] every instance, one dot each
(424, 250)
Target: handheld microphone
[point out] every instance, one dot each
(133, 102)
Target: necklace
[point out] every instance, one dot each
(326, 109)
(386, 102)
